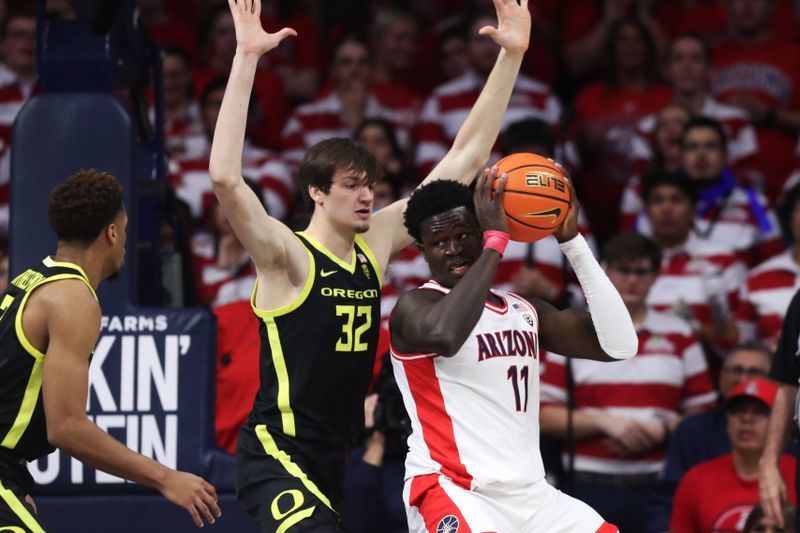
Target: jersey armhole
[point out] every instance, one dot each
(294, 304)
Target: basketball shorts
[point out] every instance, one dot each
(436, 504)
(279, 486)
(16, 515)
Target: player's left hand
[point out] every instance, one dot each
(513, 31)
(569, 228)
(488, 207)
(250, 36)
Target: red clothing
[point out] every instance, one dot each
(237, 369)
(770, 72)
(712, 498)
(176, 32)
(301, 53)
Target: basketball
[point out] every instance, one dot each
(537, 195)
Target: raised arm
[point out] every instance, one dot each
(473, 143)
(269, 242)
(429, 321)
(72, 321)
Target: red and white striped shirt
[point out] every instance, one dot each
(765, 297)
(192, 182)
(694, 273)
(217, 286)
(730, 223)
(475, 415)
(447, 108)
(322, 119)
(185, 135)
(667, 376)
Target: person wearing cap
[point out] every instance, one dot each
(719, 494)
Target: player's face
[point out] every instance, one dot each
(633, 280)
(117, 252)
(702, 155)
(740, 365)
(747, 425)
(348, 204)
(451, 242)
(687, 68)
(670, 212)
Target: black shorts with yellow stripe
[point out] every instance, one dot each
(16, 515)
(287, 489)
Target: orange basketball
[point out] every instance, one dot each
(537, 195)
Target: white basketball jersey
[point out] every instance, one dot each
(475, 415)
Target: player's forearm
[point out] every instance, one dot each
(779, 419)
(553, 421)
(91, 445)
(476, 137)
(225, 165)
(612, 322)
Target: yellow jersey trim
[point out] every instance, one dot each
(371, 257)
(288, 308)
(278, 359)
(20, 510)
(50, 262)
(283, 458)
(319, 246)
(34, 386)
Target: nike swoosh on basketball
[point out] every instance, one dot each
(325, 274)
(555, 213)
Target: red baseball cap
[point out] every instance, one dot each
(761, 389)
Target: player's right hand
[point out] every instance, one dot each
(250, 36)
(488, 207)
(194, 494)
(771, 491)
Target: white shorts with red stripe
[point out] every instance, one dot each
(434, 504)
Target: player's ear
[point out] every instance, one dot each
(112, 233)
(316, 194)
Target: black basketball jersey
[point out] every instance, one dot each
(23, 431)
(317, 353)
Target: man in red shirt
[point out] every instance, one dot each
(716, 496)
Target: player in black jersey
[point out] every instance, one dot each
(49, 324)
(317, 291)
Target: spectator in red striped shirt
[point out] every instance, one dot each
(184, 135)
(447, 108)
(728, 213)
(190, 178)
(338, 111)
(771, 285)
(625, 412)
(17, 85)
(699, 279)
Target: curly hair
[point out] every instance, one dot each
(433, 199)
(82, 206)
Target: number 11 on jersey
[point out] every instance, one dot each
(517, 377)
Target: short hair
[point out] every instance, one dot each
(787, 510)
(692, 36)
(217, 84)
(679, 180)
(385, 18)
(629, 246)
(529, 131)
(16, 13)
(752, 346)
(338, 153)
(433, 199)
(785, 210)
(81, 207)
(709, 123)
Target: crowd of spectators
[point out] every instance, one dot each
(677, 119)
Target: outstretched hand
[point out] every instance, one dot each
(569, 227)
(250, 36)
(488, 207)
(513, 31)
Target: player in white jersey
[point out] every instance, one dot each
(466, 359)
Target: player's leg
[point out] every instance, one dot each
(556, 512)
(274, 488)
(15, 515)
(434, 503)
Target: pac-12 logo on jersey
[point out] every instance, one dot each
(448, 524)
(528, 318)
